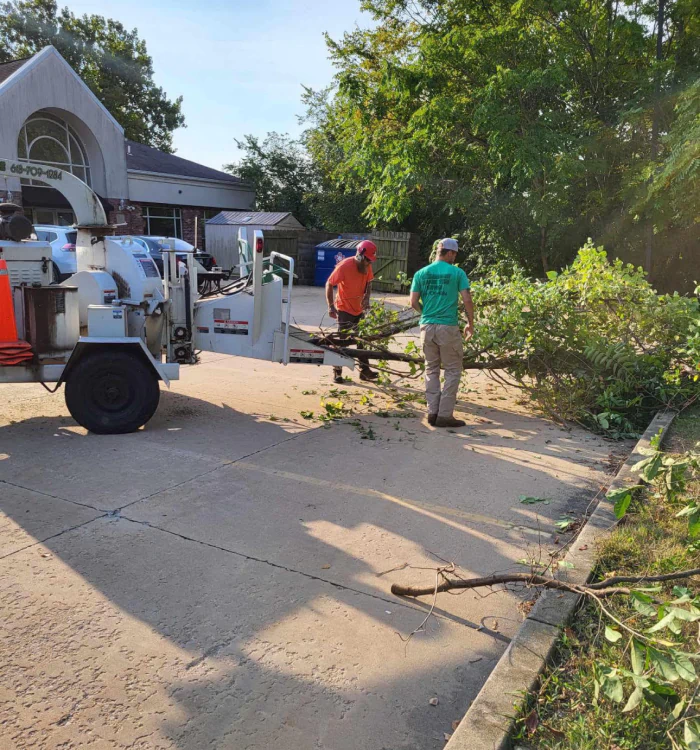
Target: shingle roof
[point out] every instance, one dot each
(8, 68)
(142, 158)
(249, 217)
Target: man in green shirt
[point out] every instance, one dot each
(435, 294)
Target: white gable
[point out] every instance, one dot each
(47, 82)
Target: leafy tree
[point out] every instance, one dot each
(112, 61)
(524, 127)
(281, 173)
(674, 191)
(341, 198)
(287, 178)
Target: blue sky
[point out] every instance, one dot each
(239, 64)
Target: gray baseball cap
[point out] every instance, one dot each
(449, 244)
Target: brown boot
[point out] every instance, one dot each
(449, 422)
(432, 418)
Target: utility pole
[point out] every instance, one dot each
(656, 119)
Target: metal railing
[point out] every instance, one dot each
(290, 286)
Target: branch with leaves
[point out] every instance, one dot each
(594, 344)
(651, 631)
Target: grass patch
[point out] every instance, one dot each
(686, 431)
(568, 711)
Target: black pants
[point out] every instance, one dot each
(348, 322)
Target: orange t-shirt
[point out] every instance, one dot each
(352, 285)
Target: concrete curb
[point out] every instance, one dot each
(490, 719)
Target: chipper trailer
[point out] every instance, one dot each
(115, 328)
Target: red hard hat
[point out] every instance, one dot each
(368, 249)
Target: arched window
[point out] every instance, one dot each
(47, 139)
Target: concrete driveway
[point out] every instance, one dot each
(218, 579)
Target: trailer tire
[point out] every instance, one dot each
(112, 392)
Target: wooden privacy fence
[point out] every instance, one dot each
(397, 253)
(299, 244)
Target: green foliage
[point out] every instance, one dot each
(340, 199)
(627, 675)
(111, 60)
(332, 410)
(282, 174)
(673, 193)
(594, 344)
(376, 319)
(291, 175)
(669, 475)
(522, 127)
(656, 663)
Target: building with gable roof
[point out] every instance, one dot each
(48, 115)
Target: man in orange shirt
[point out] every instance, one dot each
(351, 279)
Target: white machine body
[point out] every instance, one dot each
(27, 262)
(255, 320)
(107, 321)
(117, 309)
(94, 288)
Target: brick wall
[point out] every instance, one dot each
(188, 226)
(131, 222)
(16, 197)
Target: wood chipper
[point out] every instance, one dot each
(116, 328)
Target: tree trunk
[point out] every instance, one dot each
(655, 122)
(543, 250)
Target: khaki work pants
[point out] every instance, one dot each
(442, 348)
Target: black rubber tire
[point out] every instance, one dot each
(112, 392)
(57, 276)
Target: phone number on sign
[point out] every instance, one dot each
(29, 171)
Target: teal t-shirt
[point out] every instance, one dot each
(439, 285)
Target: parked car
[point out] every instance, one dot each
(206, 261)
(62, 241)
(155, 245)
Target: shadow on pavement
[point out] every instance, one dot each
(199, 585)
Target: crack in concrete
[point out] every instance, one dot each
(53, 536)
(272, 564)
(53, 497)
(117, 513)
(311, 576)
(222, 465)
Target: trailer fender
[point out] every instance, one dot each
(87, 344)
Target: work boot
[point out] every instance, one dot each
(449, 422)
(367, 374)
(432, 418)
(338, 375)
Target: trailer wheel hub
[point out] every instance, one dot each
(111, 393)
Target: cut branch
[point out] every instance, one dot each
(613, 580)
(606, 587)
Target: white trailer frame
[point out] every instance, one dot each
(110, 380)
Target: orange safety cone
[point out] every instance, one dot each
(12, 350)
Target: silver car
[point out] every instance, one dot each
(62, 241)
